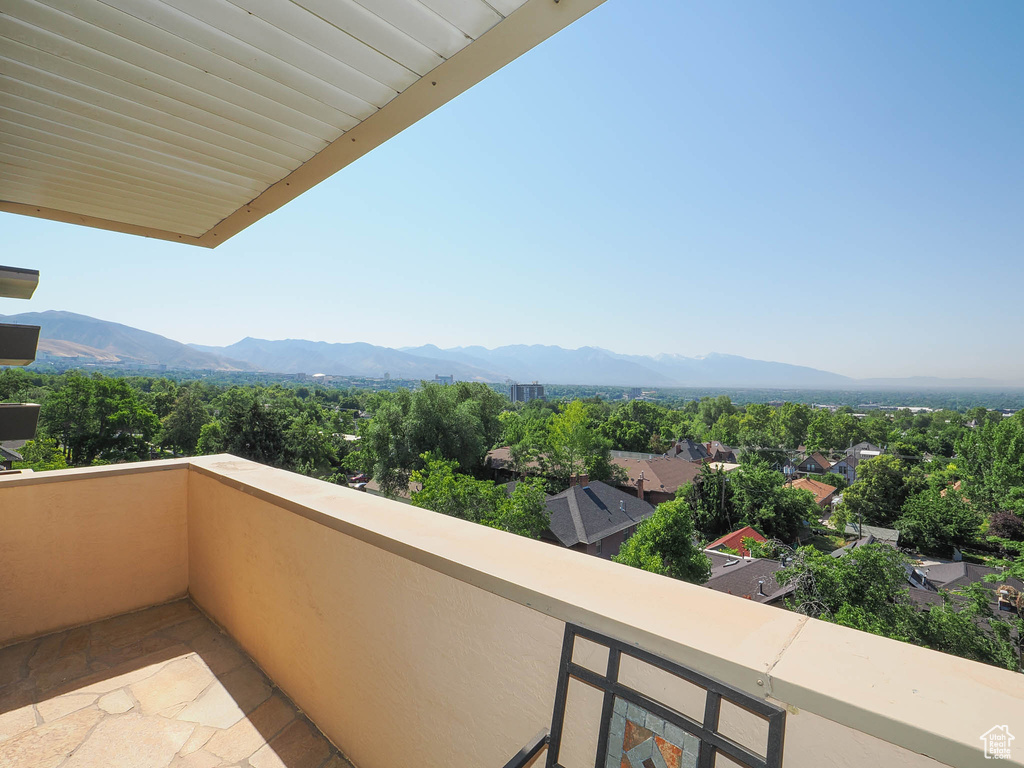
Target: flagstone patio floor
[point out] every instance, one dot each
(160, 688)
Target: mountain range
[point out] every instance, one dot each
(78, 338)
(68, 336)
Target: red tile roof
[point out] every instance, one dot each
(735, 539)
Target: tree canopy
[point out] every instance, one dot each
(884, 483)
(665, 543)
(866, 589)
(458, 422)
(445, 490)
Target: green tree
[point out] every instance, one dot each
(768, 550)
(759, 427)
(458, 422)
(68, 417)
(762, 500)
(98, 418)
(573, 441)
(524, 512)
(938, 519)
(726, 430)
(386, 449)
(163, 395)
(40, 455)
(445, 490)
(709, 497)
(883, 485)
(311, 445)
(711, 409)
(184, 423)
(992, 457)
(637, 426)
(665, 543)
(829, 478)
(126, 426)
(252, 425)
(793, 420)
(866, 589)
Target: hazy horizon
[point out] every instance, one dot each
(833, 186)
(413, 347)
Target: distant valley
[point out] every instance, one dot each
(67, 337)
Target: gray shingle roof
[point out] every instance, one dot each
(585, 515)
(881, 535)
(7, 452)
(744, 579)
(689, 450)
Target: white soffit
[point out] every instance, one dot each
(188, 120)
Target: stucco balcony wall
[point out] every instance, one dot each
(80, 545)
(410, 637)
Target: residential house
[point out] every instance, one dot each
(864, 450)
(813, 464)
(593, 517)
(752, 578)
(785, 465)
(855, 454)
(881, 535)
(657, 479)
(688, 450)
(823, 492)
(846, 468)
(501, 467)
(927, 582)
(719, 452)
(864, 540)
(734, 541)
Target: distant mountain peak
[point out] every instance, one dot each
(73, 336)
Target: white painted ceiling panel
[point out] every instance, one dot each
(178, 118)
(19, 124)
(141, 121)
(473, 17)
(120, 56)
(57, 77)
(420, 23)
(240, 62)
(140, 135)
(49, 168)
(233, 21)
(377, 33)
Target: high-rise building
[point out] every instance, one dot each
(524, 393)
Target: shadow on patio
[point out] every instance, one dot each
(159, 688)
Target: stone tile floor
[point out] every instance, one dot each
(161, 688)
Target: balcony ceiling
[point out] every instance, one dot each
(188, 120)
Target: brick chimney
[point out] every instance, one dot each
(581, 480)
(640, 487)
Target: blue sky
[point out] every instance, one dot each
(831, 184)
